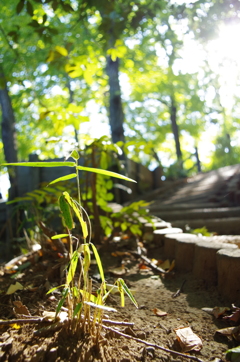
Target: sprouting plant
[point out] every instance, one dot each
(77, 291)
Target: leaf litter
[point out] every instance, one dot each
(28, 316)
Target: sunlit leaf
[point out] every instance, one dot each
(40, 164)
(159, 313)
(64, 178)
(128, 292)
(188, 340)
(105, 172)
(103, 307)
(73, 266)
(14, 287)
(61, 50)
(59, 236)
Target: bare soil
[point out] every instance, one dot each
(29, 342)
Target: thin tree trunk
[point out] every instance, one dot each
(116, 116)
(8, 133)
(198, 160)
(173, 115)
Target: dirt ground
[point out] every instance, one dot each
(32, 342)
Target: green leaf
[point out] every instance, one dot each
(233, 354)
(99, 264)
(66, 212)
(74, 155)
(20, 6)
(17, 199)
(105, 172)
(61, 50)
(52, 290)
(59, 236)
(77, 212)
(29, 8)
(73, 266)
(64, 178)
(61, 302)
(77, 309)
(128, 292)
(40, 164)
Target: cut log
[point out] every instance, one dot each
(205, 260)
(228, 268)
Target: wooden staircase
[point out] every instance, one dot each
(210, 199)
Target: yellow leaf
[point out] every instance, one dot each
(61, 50)
(14, 287)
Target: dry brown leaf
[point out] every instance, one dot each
(234, 317)
(230, 331)
(120, 253)
(172, 266)
(219, 311)
(142, 266)
(188, 340)
(118, 270)
(159, 312)
(20, 309)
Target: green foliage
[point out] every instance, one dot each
(79, 298)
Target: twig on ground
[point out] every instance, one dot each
(22, 321)
(152, 265)
(119, 323)
(179, 291)
(193, 358)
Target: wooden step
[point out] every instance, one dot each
(200, 213)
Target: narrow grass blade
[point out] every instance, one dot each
(105, 172)
(63, 178)
(41, 164)
(77, 212)
(73, 266)
(77, 309)
(62, 300)
(127, 291)
(121, 291)
(59, 236)
(52, 290)
(99, 264)
(103, 307)
(18, 199)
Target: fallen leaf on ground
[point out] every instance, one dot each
(142, 266)
(234, 317)
(117, 270)
(120, 253)
(165, 265)
(159, 312)
(188, 340)
(219, 311)
(20, 308)
(230, 331)
(14, 287)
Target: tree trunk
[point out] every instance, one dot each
(173, 115)
(8, 133)
(116, 116)
(198, 160)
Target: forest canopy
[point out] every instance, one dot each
(159, 77)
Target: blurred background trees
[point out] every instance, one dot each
(159, 77)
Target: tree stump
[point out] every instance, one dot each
(159, 235)
(205, 260)
(228, 267)
(170, 242)
(185, 254)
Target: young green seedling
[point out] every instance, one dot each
(79, 296)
